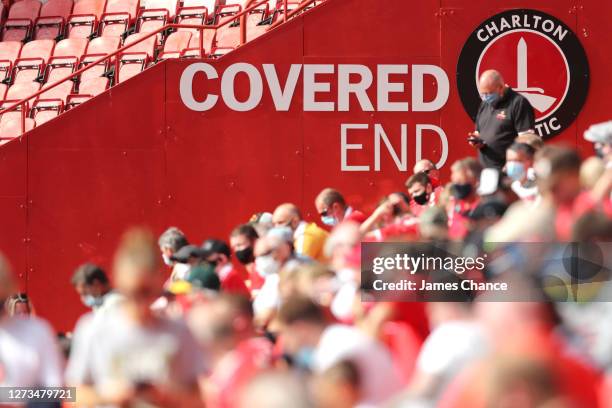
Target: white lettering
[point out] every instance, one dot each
(385, 88)
(282, 97)
(186, 87)
(379, 133)
(345, 147)
(311, 88)
(418, 74)
(345, 87)
(228, 89)
(443, 139)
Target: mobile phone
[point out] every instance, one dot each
(475, 139)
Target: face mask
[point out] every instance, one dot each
(421, 199)
(167, 260)
(515, 170)
(490, 98)
(245, 256)
(329, 220)
(460, 191)
(266, 265)
(92, 301)
(304, 358)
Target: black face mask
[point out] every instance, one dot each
(460, 191)
(421, 199)
(245, 256)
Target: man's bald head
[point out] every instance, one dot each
(491, 81)
(286, 215)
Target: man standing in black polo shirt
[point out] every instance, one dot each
(502, 115)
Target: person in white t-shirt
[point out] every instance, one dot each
(29, 353)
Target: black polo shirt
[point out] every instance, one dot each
(499, 124)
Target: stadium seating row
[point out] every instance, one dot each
(63, 36)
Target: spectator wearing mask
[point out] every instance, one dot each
(333, 209)
(30, 353)
(423, 193)
(308, 238)
(601, 137)
(429, 168)
(187, 257)
(316, 345)
(170, 242)
(242, 242)
(224, 326)
(130, 356)
(217, 252)
(519, 167)
(465, 176)
(273, 252)
(19, 304)
(502, 115)
(93, 286)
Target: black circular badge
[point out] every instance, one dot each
(538, 55)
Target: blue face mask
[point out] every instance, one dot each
(304, 358)
(515, 170)
(489, 98)
(329, 220)
(91, 301)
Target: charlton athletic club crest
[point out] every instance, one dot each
(539, 57)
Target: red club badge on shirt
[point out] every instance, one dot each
(501, 115)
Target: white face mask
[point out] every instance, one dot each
(167, 260)
(266, 265)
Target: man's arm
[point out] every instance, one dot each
(524, 116)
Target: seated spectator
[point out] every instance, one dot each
(427, 167)
(148, 359)
(333, 209)
(242, 241)
(423, 193)
(93, 286)
(30, 353)
(465, 177)
(531, 139)
(218, 253)
(308, 238)
(315, 344)
(391, 219)
(170, 242)
(519, 167)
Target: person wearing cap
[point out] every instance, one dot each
(601, 136)
(519, 167)
(308, 238)
(273, 252)
(183, 260)
(333, 209)
(218, 253)
(503, 113)
(428, 167)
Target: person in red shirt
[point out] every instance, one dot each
(465, 176)
(218, 252)
(333, 209)
(242, 241)
(423, 193)
(427, 167)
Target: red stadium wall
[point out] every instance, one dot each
(137, 155)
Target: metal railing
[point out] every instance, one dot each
(23, 104)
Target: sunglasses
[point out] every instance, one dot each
(324, 213)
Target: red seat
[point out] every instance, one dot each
(118, 16)
(76, 100)
(3, 88)
(85, 17)
(44, 110)
(64, 62)
(156, 14)
(93, 86)
(12, 128)
(136, 58)
(196, 12)
(71, 47)
(208, 40)
(226, 12)
(22, 90)
(99, 47)
(20, 20)
(14, 114)
(53, 17)
(227, 37)
(34, 56)
(9, 52)
(59, 93)
(175, 44)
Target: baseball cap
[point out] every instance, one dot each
(186, 252)
(204, 276)
(214, 246)
(599, 133)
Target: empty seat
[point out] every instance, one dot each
(136, 58)
(53, 17)
(85, 17)
(22, 90)
(13, 128)
(227, 37)
(34, 56)
(93, 86)
(9, 53)
(207, 41)
(3, 88)
(99, 47)
(20, 20)
(70, 47)
(156, 14)
(118, 16)
(14, 114)
(58, 93)
(220, 51)
(44, 110)
(175, 44)
(196, 12)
